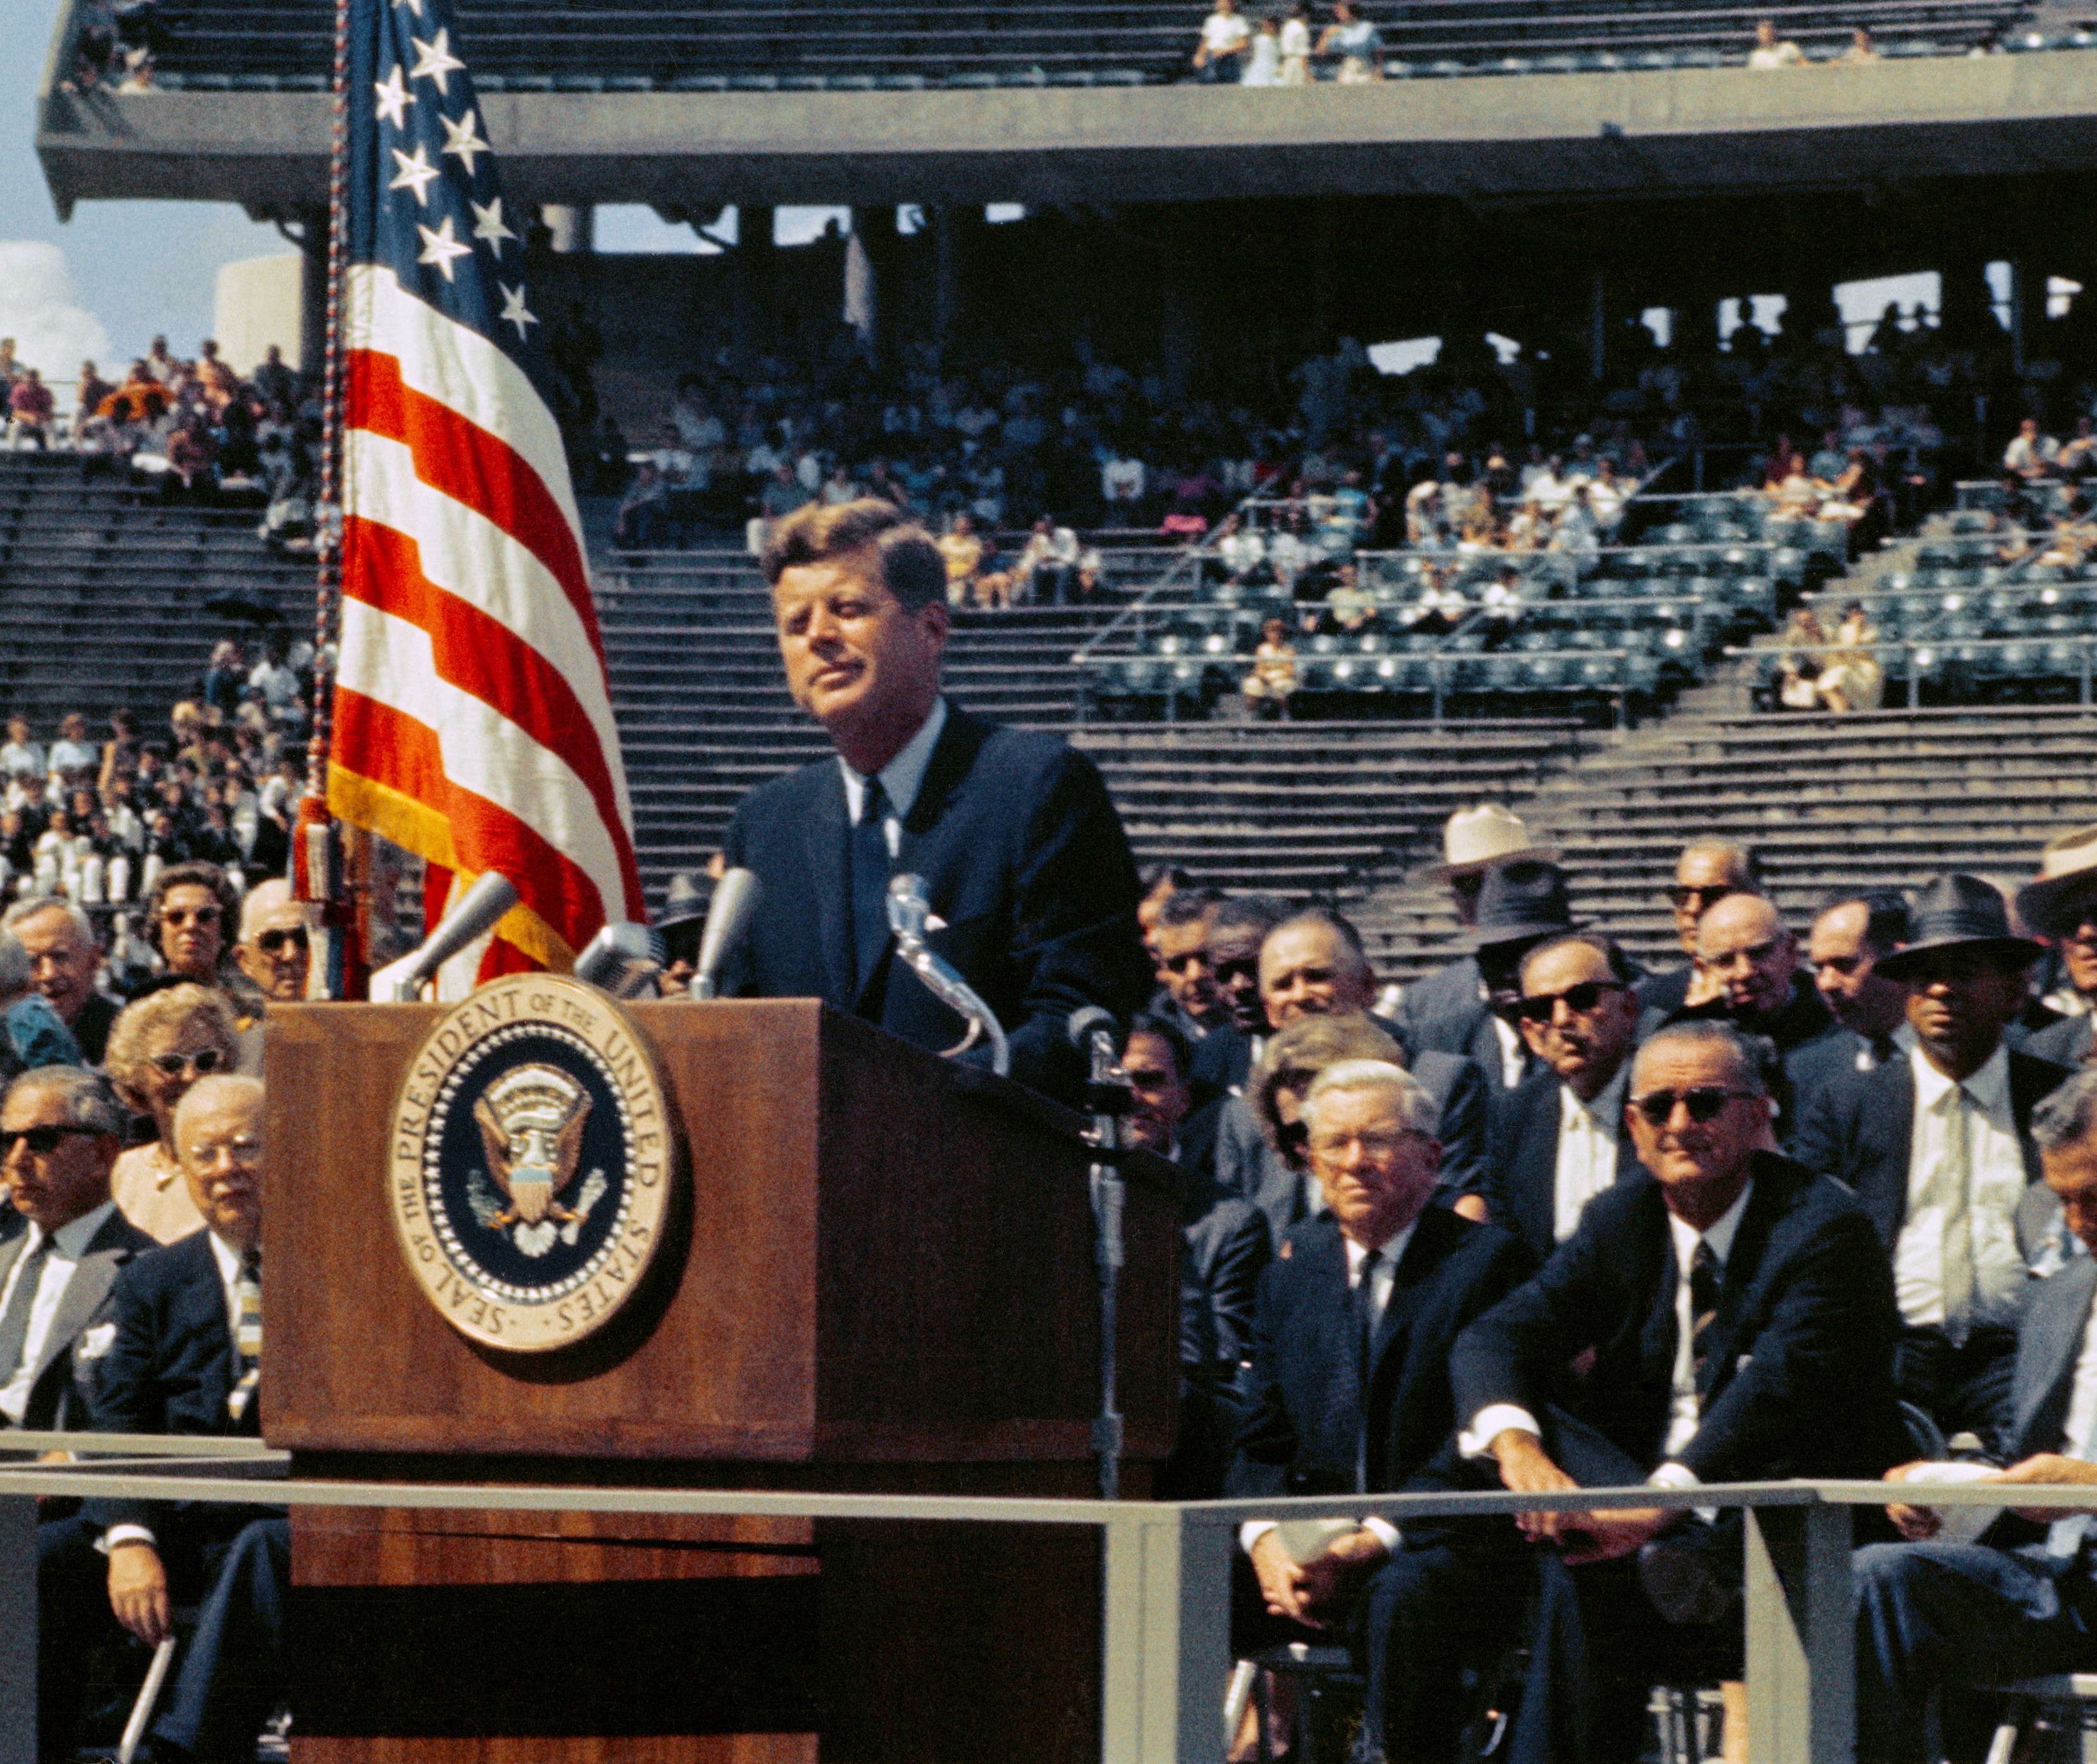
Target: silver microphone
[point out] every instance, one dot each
(477, 911)
(908, 910)
(729, 915)
(622, 959)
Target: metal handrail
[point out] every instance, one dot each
(1920, 659)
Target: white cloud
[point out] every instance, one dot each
(37, 310)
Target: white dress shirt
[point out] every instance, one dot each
(69, 1242)
(1514, 1051)
(1385, 1276)
(2082, 1417)
(1997, 1170)
(901, 778)
(1489, 1423)
(1589, 1137)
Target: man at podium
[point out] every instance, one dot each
(1026, 868)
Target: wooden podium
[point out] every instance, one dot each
(878, 1275)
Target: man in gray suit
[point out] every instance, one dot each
(61, 1129)
(1934, 1614)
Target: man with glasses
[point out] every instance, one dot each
(1349, 1393)
(185, 1357)
(1709, 869)
(272, 950)
(1227, 1052)
(1938, 1147)
(65, 957)
(1732, 1320)
(1748, 957)
(1559, 1139)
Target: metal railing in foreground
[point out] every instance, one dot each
(1165, 1570)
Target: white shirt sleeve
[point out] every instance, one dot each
(1490, 1423)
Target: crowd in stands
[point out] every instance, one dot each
(118, 44)
(204, 432)
(1779, 1208)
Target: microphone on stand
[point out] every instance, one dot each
(623, 959)
(908, 912)
(1092, 1033)
(729, 915)
(478, 911)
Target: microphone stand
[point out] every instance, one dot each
(1107, 1099)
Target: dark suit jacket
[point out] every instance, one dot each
(1664, 992)
(2065, 1042)
(171, 1366)
(1222, 1061)
(2049, 1342)
(1023, 855)
(90, 1029)
(1245, 1165)
(1861, 1131)
(1442, 1009)
(1227, 1246)
(61, 1391)
(1799, 1381)
(1297, 1439)
(1521, 1181)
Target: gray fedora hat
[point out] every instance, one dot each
(686, 899)
(1521, 902)
(1958, 911)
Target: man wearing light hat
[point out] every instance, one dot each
(1448, 1011)
(2061, 906)
(1938, 1146)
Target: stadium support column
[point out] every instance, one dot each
(313, 289)
(1598, 326)
(574, 230)
(753, 274)
(874, 229)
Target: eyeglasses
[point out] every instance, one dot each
(1704, 1105)
(43, 1141)
(1372, 1144)
(1540, 1007)
(1701, 897)
(204, 1060)
(1147, 1077)
(181, 918)
(276, 943)
(243, 1150)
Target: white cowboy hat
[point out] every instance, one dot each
(2067, 878)
(1477, 838)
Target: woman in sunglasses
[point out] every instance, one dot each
(158, 1047)
(191, 914)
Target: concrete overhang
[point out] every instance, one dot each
(1535, 138)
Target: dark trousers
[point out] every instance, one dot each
(1433, 1610)
(1966, 1389)
(229, 1674)
(1954, 1616)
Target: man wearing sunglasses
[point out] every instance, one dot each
(1733, 1319)
(1559, 1139)
(1709, 869)
(1938, 1147)
(1186, 995)
(272, 950)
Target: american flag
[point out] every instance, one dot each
(473, 719)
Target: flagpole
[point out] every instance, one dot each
(320, 877)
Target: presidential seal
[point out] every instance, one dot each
(531, 1165)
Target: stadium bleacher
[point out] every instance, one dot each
(605, 46)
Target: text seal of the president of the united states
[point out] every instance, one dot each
(532, 1163)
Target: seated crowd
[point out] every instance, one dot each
(1819, 1202)
(130, 1284)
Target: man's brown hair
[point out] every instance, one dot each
(905, 561)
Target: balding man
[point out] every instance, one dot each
(1313, 964)
(1349, 1392)
(1709, 869)
(272, 950)
(1749, 958)
(1736, 1318)
(65, 955)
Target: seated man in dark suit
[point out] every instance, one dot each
(1938, 1147)
(61, 1129)
(1727, 1317)
(1559, 1139)
(1710, 869)
(1349, 1393)
(1025, 864)
(1852, 934)
(1226, 1245)
(184, 1357)
(1750, 956)
(1933, 1613)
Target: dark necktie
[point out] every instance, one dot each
(1703, 1308)
(14, 1320)
(1883, 1047)
(870, 872)
(246, 1335)
(1363, 1305)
